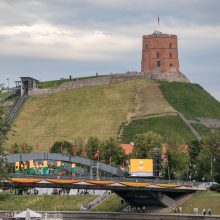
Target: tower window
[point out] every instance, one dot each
(170, 55)
(171, 65)
(158, 63)
(158, 55)
(170, 45)
(146, 46)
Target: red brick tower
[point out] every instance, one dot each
(159, 53)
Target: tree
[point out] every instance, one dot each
(194, 150)
(177, 162)
(92, 146)
(203, 164)
(143, 143)
(23, 148)
(62, 147)
(208, 160)
(4, 168)
(112, 153)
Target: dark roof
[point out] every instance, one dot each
(27, 77)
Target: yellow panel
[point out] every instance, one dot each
(17, 165)
(141, 165)
(45, 163)
(31, 163)
(73, 165)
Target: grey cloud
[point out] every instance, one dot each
(99, 13)
(198, 54)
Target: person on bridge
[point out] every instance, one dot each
(204, 212)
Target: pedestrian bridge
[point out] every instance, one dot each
(135, 193)
(70, 159)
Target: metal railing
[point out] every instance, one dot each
(15, 108)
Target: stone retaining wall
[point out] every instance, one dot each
(113, 78)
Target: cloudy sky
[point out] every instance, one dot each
(51, 39)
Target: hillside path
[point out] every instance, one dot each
(185, 120)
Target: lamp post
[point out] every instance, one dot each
(211, 163)
(212, 160)
(98, 168)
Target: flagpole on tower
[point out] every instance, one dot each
(158, 20)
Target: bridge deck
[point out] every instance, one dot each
(98, 184)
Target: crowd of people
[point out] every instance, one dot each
(195, 211)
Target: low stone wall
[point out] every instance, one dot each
(113, 78)
(135, 216)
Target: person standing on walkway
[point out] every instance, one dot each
(196, 211)
(209, 212)
(204, 212)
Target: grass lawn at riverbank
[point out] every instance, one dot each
(202, 200)
(44, 203)
(111, 204)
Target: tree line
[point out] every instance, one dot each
(198, 160)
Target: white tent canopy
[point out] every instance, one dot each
(28, 214)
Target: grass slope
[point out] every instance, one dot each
(4, 95)
(44, 203)
(171, 128)
(85, 112)
(191, 100)
(203, 130)
(111, 204)
(202, 200)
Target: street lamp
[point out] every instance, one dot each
(213, 160)
(190, 177)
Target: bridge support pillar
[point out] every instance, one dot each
(164, 199)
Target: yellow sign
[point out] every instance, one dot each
(31, 163)
(45, 163)
(141, 167)
(17, 164)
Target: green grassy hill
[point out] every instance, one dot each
(84, 112)
(200, 200)
(191, 100)
(171, 128)
(100, 111)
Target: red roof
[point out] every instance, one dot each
(128, 148)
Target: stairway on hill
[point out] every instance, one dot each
(97, 201)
